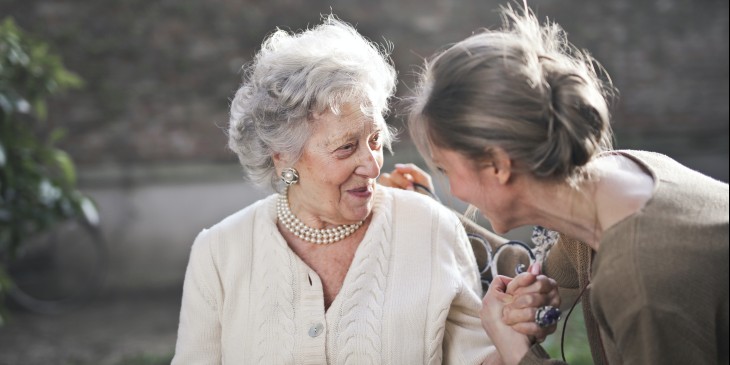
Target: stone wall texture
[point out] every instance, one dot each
(159, 74)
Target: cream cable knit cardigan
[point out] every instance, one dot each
(411, 295)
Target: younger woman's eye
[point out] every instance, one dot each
(441, 170)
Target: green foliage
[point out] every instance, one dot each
(37, 180)
(577, 350)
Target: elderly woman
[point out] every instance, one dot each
(518, 121)
(333, 268)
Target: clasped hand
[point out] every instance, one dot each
(509, 308)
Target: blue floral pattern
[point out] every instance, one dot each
(544, 239)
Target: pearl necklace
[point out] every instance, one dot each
(309, 234)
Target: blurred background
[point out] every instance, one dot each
(147, 129)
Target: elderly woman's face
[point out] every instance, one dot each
(338, 168)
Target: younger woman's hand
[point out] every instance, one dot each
(530, 291)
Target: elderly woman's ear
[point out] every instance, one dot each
(280, 162)
(277, 161)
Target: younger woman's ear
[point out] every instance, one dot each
(502, 164)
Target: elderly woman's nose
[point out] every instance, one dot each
(369, 165)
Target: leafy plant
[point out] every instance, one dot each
(577, 349)
(37, 179)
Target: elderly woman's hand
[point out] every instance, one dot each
(530, 292)
(493, 358)
(511, 344)
(404, 176)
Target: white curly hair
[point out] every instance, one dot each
(297, 75)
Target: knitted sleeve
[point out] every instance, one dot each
(465, 341)
(567, 263)
(561, 264)
(199, 332)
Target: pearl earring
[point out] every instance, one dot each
(289, 176)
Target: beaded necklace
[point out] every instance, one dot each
(314, 235)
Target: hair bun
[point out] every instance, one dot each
(577, 121)
(523, 88)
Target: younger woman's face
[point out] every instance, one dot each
(476, 185)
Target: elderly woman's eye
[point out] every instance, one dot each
(345, 150)
(376, 142)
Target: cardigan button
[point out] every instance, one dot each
(316, 330)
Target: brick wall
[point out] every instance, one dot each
(159, 74)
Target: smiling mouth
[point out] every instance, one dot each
(362, 191)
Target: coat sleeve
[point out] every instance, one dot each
(652, 328)
(199, 331)
(538, 356)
